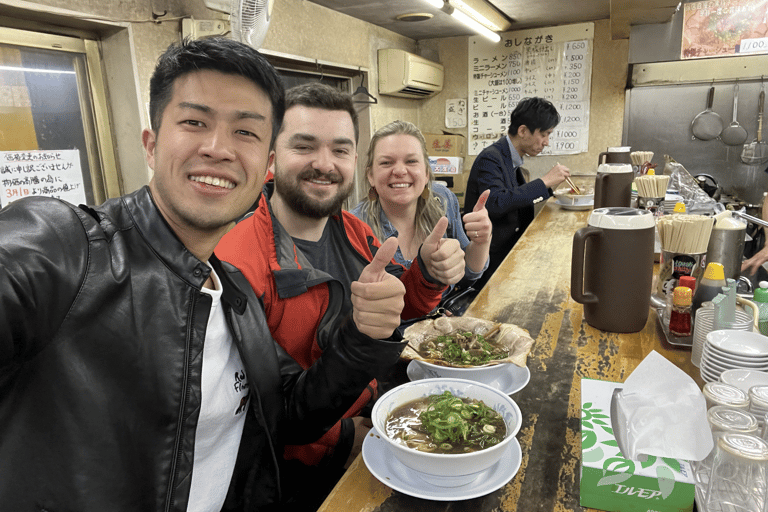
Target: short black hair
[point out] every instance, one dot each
(218, 54)
(535, 114)
(322, 96)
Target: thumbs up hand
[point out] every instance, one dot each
(377, 296)
(443, 256)
(477, 224)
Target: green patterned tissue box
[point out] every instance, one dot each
(611, 482)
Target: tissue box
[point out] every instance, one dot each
(446, 164)
(611, 482)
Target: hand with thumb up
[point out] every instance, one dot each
(377, 297)
(443, 257)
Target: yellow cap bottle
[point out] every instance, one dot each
(710, 284)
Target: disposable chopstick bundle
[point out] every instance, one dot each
(641, 157)
(685, 234)
(652, 185)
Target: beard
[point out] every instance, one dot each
(301, 203)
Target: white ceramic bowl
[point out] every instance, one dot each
(744, 379)
(482, 374)
(739, 345)
(576, 199)
(441, 469)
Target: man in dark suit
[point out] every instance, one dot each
(498, 168)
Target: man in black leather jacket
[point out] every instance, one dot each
(108, 316)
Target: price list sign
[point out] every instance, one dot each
(553, 63)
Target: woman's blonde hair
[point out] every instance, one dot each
(429, 208)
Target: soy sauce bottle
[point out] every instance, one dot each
(680, 318)
(710, 284)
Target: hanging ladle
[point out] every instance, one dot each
(734, 134)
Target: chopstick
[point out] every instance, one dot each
(652, 185)
(572, 184)
(685, 234)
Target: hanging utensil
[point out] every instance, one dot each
(734, 134)
(756, 152)
(708, 124)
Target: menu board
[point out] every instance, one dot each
(41, 173)
(553, 63)
(724, 27)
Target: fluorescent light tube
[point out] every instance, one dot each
(437, 4)
(474, 25)
(469, 11)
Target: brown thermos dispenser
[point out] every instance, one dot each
(613, 185)
(612, 268)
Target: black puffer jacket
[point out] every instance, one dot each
(102, 324)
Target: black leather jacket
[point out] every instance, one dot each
(102, 323)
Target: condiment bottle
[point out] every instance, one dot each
(761, 299)
(680, 317)
(709, 285)
(688, 281)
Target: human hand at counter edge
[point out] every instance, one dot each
(443, 257)
(556, 176)
(377, 296)
(751, 265)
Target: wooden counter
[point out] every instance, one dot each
(532, 289)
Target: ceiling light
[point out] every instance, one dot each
(415, 16)
(471, 19)
(474, 25)
(37, 70)
(469, 11)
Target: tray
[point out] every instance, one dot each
(676, 341)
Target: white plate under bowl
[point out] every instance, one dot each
(388, 470)
(739, 343)
(577, 207)
(511, 380)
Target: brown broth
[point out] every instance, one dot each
(404, 426)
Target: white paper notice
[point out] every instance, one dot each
(456, 113)
(41, 173)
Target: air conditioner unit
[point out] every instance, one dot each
(407, 75)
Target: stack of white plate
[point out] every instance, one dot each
(731, 349)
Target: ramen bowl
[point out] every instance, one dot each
(571, 199)
(447, 469)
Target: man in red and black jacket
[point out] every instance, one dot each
(301, 251)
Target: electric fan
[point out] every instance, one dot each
(248, 19)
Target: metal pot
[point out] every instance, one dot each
(709, 184)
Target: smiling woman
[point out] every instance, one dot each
(405, 201)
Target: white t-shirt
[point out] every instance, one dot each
(222, 412)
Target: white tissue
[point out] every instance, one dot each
(661, 411)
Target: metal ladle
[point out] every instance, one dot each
(734, 134)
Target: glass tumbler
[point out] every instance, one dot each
(723, 419)
(739, 477)
(720, 393)
(758, 401)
